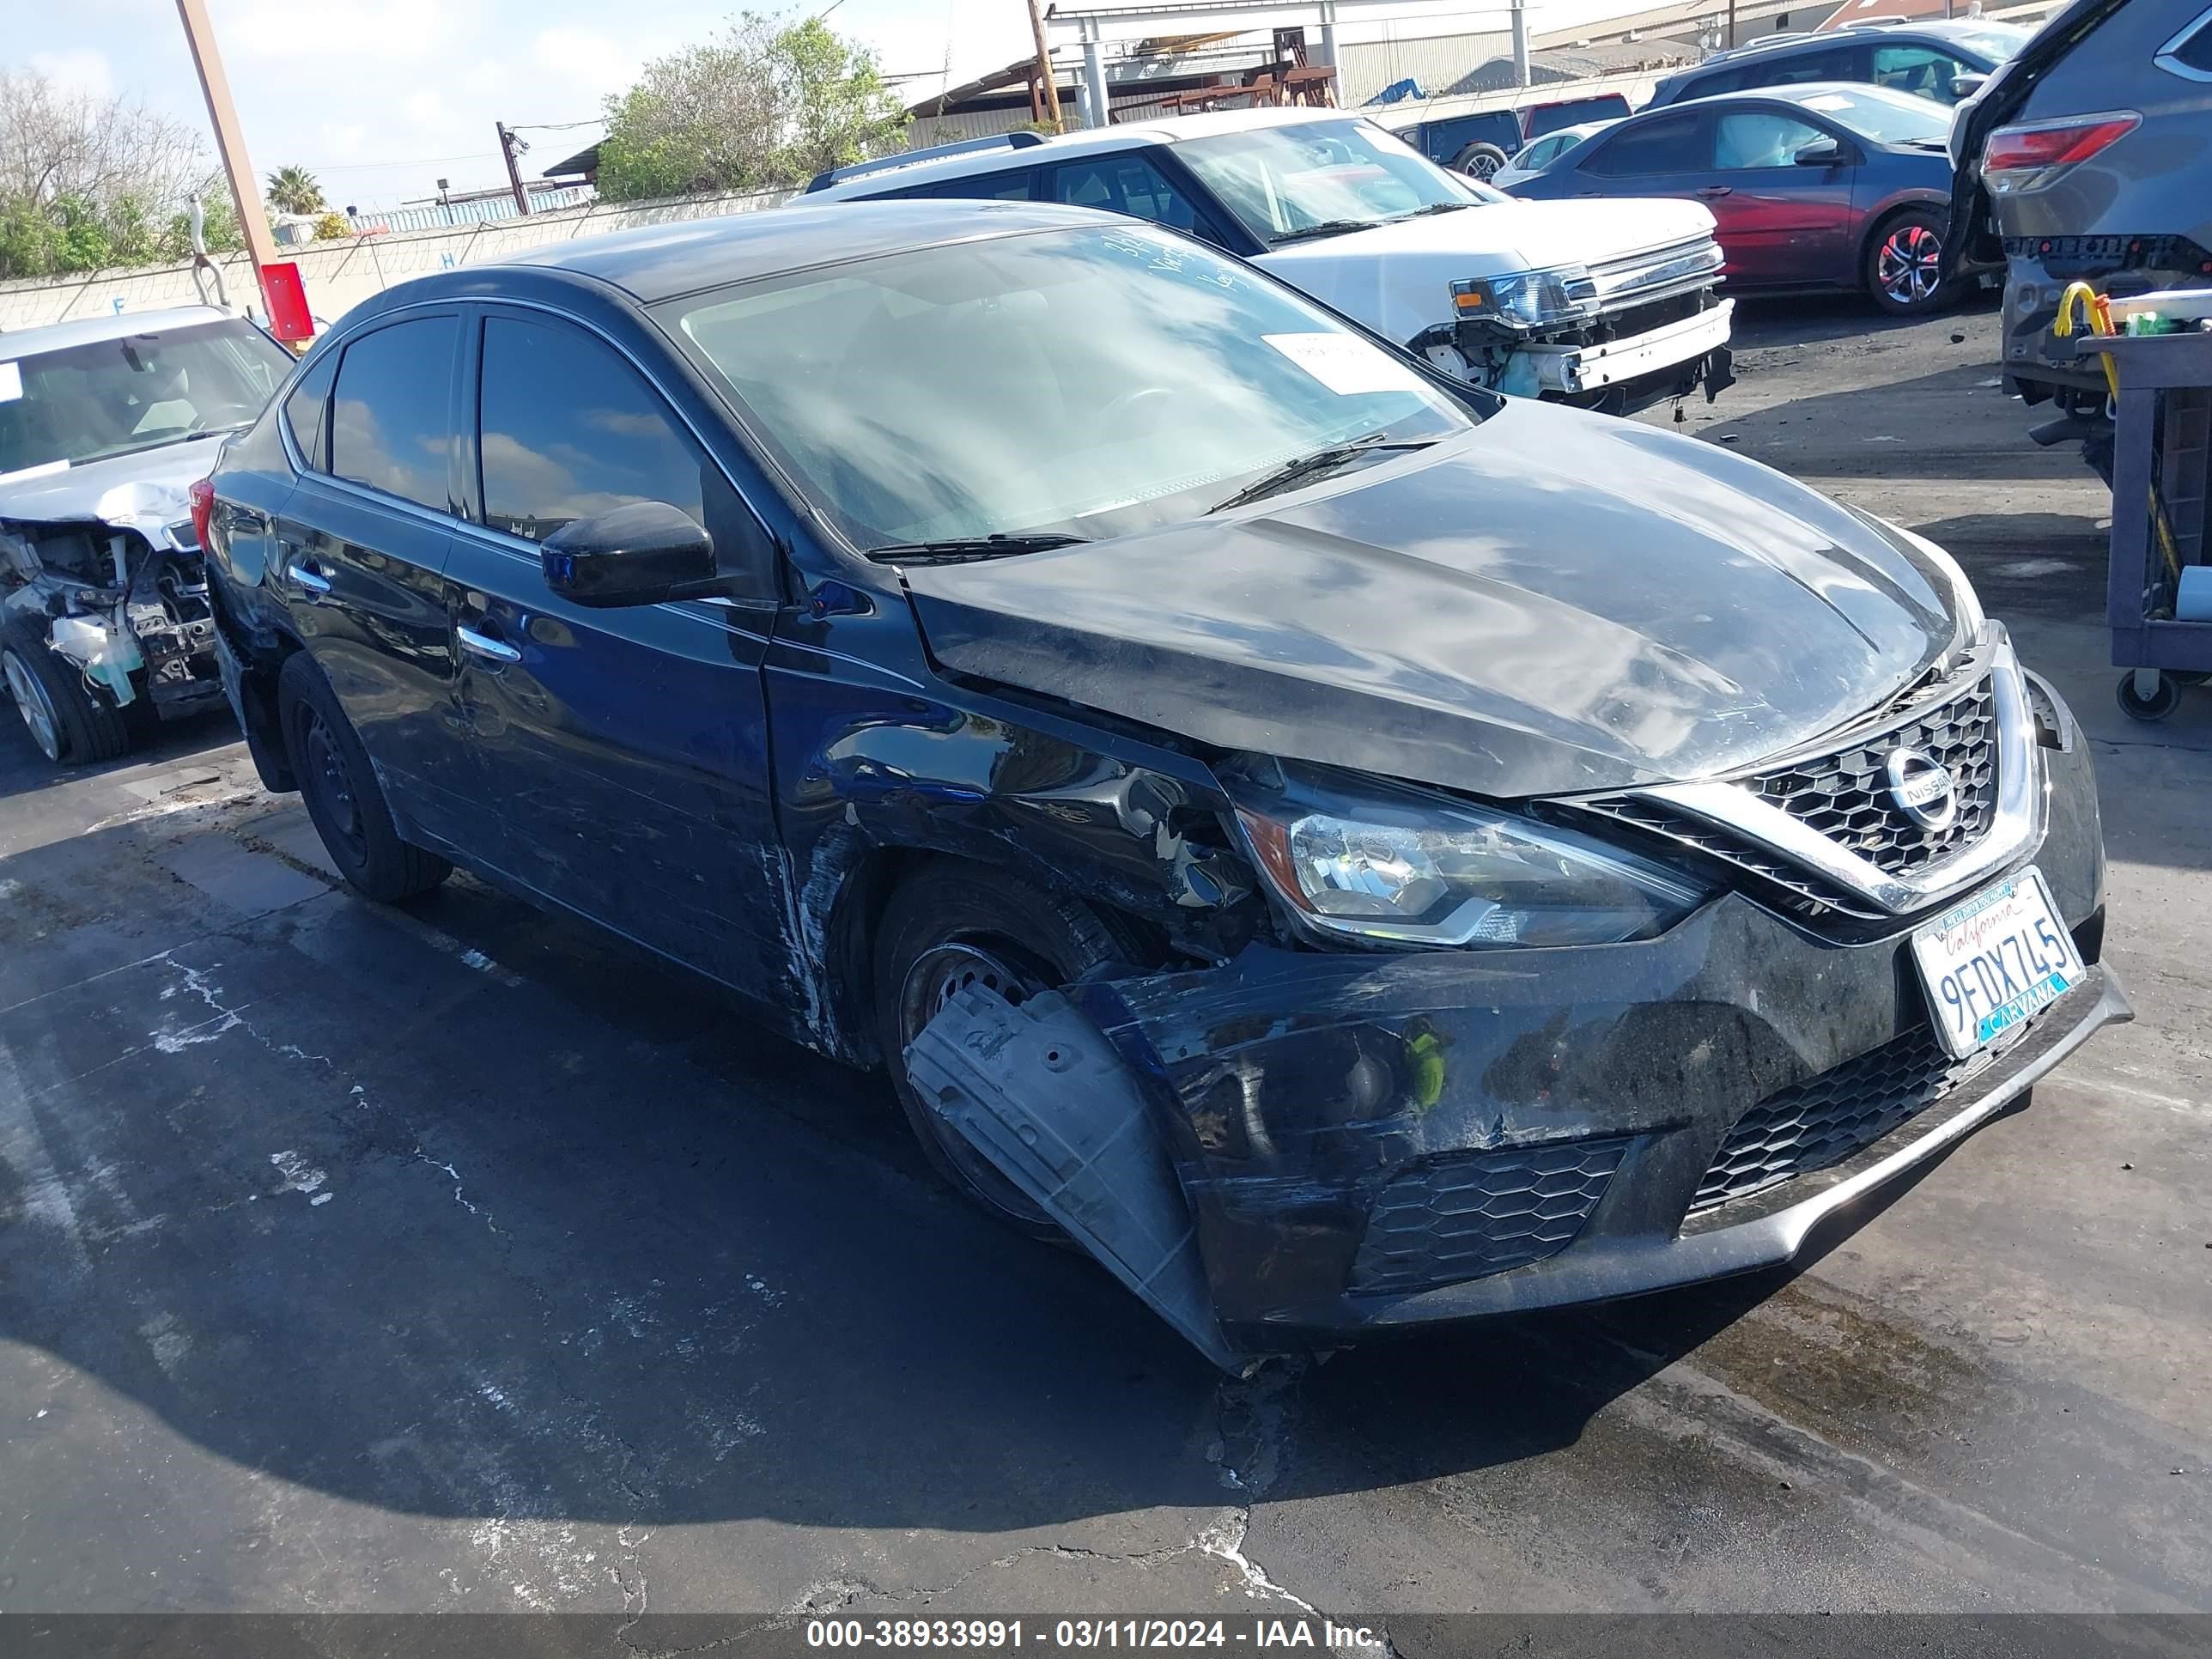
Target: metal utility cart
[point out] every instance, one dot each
(2161, 471)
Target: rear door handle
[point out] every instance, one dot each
(1717, 190)
(309, 575)
(483, 645)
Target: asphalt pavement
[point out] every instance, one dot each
(454, 1258)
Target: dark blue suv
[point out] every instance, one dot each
(1940, 60)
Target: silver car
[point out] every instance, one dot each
(104, 424)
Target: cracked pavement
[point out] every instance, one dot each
(456, 1259)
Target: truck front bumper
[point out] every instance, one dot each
(1581, 371)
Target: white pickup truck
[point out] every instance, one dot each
(1608, 305)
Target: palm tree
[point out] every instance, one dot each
(294, 190)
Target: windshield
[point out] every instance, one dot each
(1284, 180)
(1888, 117)
(110, 396)
(1083, 383)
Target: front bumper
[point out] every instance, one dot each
(1581, 371)
(1304, 1095)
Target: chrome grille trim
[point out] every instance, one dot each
(1643, 278)
(1823, 871)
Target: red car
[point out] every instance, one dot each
(1826, 186)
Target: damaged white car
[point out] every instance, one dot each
(105, 425)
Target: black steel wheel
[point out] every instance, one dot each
(2157, 706)
(343, 798)
(952, 924)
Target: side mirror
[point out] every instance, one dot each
(1827, 153)
(1966, 86)
(639, 554)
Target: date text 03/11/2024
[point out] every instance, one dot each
(1007, 1635)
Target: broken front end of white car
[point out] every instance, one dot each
(105, 628)
(1617, 337)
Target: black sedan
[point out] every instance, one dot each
(1812, 187)
(1351, 848)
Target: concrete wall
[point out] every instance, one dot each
(339, 275)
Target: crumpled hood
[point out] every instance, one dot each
(1397, 277)
(145, 488)
(1557, 602)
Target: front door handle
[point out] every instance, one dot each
(309, 575)
(483, 645)
(1717, 190)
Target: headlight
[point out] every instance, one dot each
(1434, 873)
(1531, 298)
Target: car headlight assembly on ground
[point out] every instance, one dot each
(1529, 298)
(1410, 870)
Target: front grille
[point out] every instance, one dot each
(1846, 797)
(1824, 1120)
(1464, 1215)
(1664, 271)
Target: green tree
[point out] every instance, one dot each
(769, 103)
(86, 182)
(332, 227)
(294, 190)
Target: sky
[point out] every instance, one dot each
(381, 99)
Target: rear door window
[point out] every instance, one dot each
(391, 419)
(970, 187)
(1673, 143)
(305, 409)
(1747, 139)
(1921, 71)
(1124, 183)
(1836, 64)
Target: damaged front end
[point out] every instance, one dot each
(1303, 1145)
(1617, 337)
(117, 599)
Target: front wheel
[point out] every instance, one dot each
(952, 925)
(1904, 264)
(69, 724)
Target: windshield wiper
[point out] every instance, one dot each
(1312, 467)
(1434, 207)
(958, 549)
(1326, 227)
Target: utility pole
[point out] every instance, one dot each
(1731, 25)
(1047, 86)
(1520, 74)
(507, 145)
(229, 139)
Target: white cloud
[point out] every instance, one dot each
(83, 70)
(331, 32)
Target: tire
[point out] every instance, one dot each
(1903, 266)
(344, 797)
(1480, 161)
(951, 923)
(70, 725)
(2157, 706)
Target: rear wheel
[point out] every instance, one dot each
(69, 724)
(343, 798)
(1904, 264)
(1480, 161)
(952, 925)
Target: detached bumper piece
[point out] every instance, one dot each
(1037, 1090)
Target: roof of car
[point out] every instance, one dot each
(1953, 30)
(1129, 134)
(657, 262)
(1804, 92)
(111, 326)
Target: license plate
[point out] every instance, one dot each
(1993, 960)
